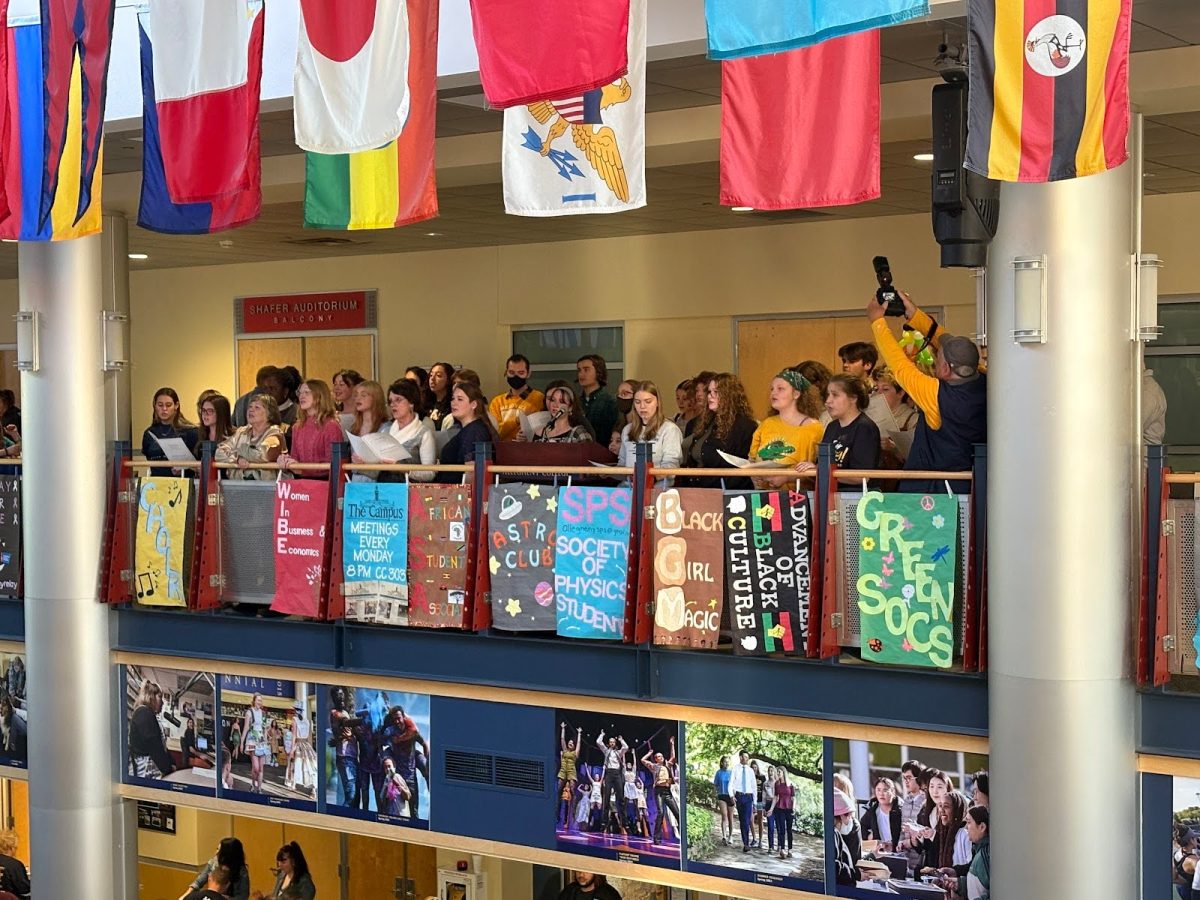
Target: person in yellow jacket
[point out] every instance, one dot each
(505, 409)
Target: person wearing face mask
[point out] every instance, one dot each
(625, 391)
(506, 408)
(845, 863)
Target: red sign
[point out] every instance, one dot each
(335, 311)
(300, 510)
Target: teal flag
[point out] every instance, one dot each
(907, 578)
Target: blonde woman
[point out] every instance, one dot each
(648, 424)
(148, 756)
(792, 436)
(370, 417)
(259, 441)
(255, 742)
(14, 877)
(316, 430)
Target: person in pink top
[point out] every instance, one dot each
(316, 430)
(783, 811)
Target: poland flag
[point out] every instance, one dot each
(351, 85)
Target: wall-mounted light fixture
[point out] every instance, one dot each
(981, 305)
(115, 326)
(1147, 290)
(1029, 299)
(28, 356)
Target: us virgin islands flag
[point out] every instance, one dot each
(586, 154)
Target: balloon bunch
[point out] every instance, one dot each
(912, 342)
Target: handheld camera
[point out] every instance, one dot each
(887, 295)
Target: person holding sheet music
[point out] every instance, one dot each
(370, 417)
(725, 425)
(261, 441)
(791, 437)
(168, 422)
(410, 431)
(316, 430)
(651, 426)
(520, 398)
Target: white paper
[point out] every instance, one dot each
(386, 447)
(175, 449)
(741, 463)
(533, 424)
(359, 448)
(903, 441)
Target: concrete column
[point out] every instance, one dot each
(72, 801)
(1061, 447)
(115, 297)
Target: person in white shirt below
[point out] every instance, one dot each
(912, 801)
(744, 786)
(614, 750)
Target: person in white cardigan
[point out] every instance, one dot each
(648, 424)
(409, 429)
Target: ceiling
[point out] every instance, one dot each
(682, 197)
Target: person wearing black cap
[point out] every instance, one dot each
(952, 404)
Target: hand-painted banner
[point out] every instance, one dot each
(907, 574)
(689, 567)
(591, 563)
(521, 532)
(768, 560)
(300, 509)
(375, 553)
(437, 554)
(10, 535)
(158, 545)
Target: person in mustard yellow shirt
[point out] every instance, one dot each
(792, 436)
(520, 398)
(951, 404)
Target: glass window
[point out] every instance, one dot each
(1175, 360)
(552, 351)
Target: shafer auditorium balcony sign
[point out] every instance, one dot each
(331, 311)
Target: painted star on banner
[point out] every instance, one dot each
(533, 491)
(513, 607)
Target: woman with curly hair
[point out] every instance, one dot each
(792, 436)
(726, 425)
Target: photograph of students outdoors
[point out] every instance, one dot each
(755, 804)
(1185, 838)
(912, 819)
(171, 735)
(377, 755)
(617, 789)
(14, 711)
(268, 738)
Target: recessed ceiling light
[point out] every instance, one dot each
(433, 234)
(139, 255)
(923, 157)
(742, 208)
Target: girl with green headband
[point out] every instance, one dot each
(792, 436)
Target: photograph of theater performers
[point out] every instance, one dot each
(755, 802)
(268, 735)
(618, 790)
(1185, 838)
(171, 735)
(14, 712)
(910, 817)
(377, 755)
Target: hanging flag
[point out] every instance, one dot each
(157, 210)
(24, 148)
(397, 183)
(801, 129)
(585, 154)
(202, 91)
(76, 40)
(548, 49)
(1049, 88)
(737, 28)
(348, 97)
(4, 112)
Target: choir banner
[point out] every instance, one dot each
(159, 542)
(437, 554)
(521, 522)
(617, 793)
(377, 755)
(591, 564)
(14, 712)
(375, 553)
(689, 568)
(300, 510)
(768, 567)
(907, 572)
(171, 742)
(10, 535)
(267, 740)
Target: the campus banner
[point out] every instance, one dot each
(160, 572)
(377, 755)
(617, 794)
(768, 567)
(10, 535)
(591, 563)
(14, 712)
(375, 552)
(521, 535)
(437, 554)
(170, 741)
(907, 577)
(268, 741)
(301, 506)
(689, 567)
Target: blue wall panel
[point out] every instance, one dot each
(1156, 837)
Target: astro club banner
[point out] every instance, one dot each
(768, 568)
(907, 573)
(437, 554)
(375, 552)
(591, 564)
(521, 536)
(689, 568)
(162, 520)
(300, 509)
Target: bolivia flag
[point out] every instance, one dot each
(1049, 92)
(395, 184)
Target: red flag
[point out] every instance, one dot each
(801, 129)
(548, 49)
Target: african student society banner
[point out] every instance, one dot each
(689, 568)
(375, 552)
(437, 554)
(521, 533)
(591, 563)
(768, 562)
(907, 574)
(160, 575)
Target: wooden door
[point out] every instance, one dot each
(261, 839)
(375, 864)
(254, 353)
(18, 799)
(325, 355)
(323, 853)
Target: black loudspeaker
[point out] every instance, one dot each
(966, 206)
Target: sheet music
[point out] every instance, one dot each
(175, 449)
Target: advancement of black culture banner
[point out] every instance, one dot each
(768, 567)
(689, 568)
(521, 533)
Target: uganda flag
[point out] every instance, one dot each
(1049, 88)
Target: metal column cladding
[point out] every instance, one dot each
(1061, 445)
